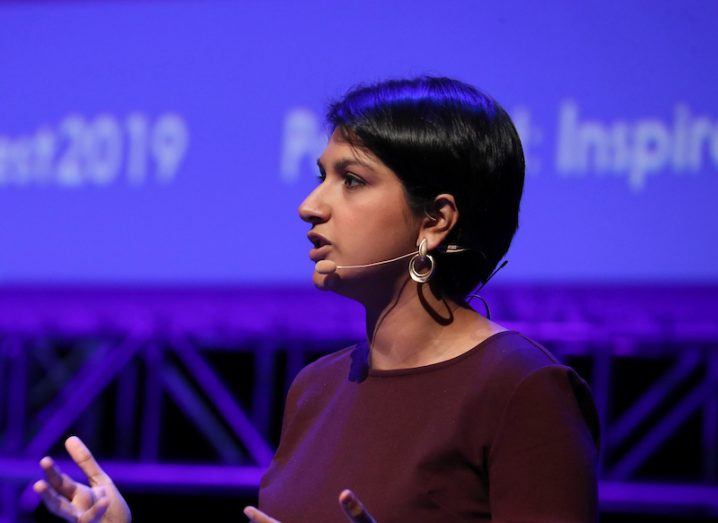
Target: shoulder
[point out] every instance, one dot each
(509, 357)
(533, 382)
(513, 371)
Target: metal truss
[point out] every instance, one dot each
(30, 431)
(688, 387)
(108, 364)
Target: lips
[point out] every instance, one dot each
(317, 239)
(319, 253)
(321, 246)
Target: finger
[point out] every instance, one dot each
(353, 508)
(95, 512)
(62, 483)
(55, 503)
(83, 457)
(257, 516)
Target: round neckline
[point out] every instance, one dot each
(387, 373)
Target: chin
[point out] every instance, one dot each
(356, 289)
(326, 282)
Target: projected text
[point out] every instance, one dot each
(100, 151)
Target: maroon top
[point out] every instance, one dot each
(501, 433)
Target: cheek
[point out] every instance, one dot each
(384, 221)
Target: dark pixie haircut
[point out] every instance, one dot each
(444, 136)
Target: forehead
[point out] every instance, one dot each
(338, 149)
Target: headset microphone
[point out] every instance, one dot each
(329, 267)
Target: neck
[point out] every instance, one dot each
(412, 327)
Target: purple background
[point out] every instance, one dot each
(233, 70)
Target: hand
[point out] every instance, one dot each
(353, 509)
(100, 502)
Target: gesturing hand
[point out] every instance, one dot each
(73, 501)
(353, 509)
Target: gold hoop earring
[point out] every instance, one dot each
(423, 256)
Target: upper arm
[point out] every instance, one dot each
(542, 463)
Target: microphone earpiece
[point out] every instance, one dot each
(325, 267)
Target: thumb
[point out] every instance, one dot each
(353, 508)
(81, 455)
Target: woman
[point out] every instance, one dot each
(441, 414)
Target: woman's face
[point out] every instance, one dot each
(359, 215)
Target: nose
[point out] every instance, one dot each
(314, 209)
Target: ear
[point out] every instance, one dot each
(438, 223)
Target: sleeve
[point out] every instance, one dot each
(543, 460)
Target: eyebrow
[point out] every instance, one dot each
(343, 163)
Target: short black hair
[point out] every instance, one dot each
(441, 135)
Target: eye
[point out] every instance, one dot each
(321, 176)
(352, 181)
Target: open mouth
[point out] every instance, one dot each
(317, 240)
